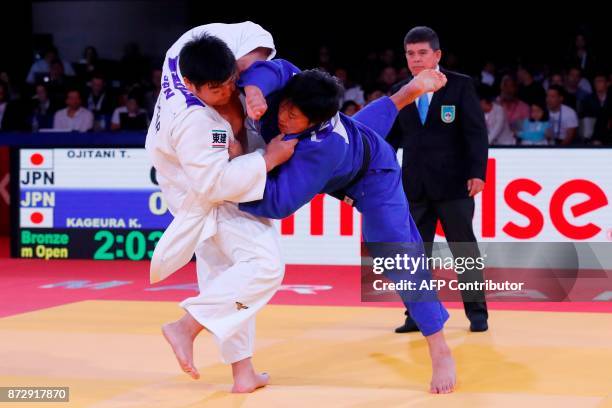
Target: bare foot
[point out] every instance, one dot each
(245, 378)
(180, 335)
(443, 377)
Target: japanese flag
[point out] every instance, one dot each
(36, 217)
(36, 158)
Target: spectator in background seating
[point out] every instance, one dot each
(74, 117)
(487, 75)
(324, 61)
(516, 110)
(13, 92)
(580, 56)
(535, 130)
(42, 67)
(352, 92)
(498, 130)
(151, 95)
(100, 102)
(134, 66)
(89, 65)
(387, 57)
(387, 78)
(373, 94)
(577, 88)
(12, 113)
(403, 73)
(131, 116)
(599, 106)
(43, 109)
(57, 82)
(563, 119)
(529, 91)
(555, 78)
(349, 108)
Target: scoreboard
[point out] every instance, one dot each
(101, 204)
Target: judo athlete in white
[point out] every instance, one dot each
(195, 153)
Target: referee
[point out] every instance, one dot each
(444, 140)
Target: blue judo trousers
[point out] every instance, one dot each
(326, 160)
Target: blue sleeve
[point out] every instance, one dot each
(378, 116)
(269, 76)
(297, 181)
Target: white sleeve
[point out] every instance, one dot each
(58, 122)
(201, 145)
(572, 119)
(115, 118)
(88, 120)
(497, 125)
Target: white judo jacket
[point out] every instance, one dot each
(187, 143)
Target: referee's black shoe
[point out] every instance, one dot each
(408, 326)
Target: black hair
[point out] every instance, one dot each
(423, 34)
(545, 115)
(207, 60)
(314, 92)
(348, 104)
(74, 89)
(486, 93)
(560, 90)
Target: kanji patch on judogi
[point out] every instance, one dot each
(219, 139)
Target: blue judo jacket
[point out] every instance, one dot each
(327, 158)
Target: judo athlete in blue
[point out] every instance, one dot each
(347, 158)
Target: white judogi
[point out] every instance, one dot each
(238, 255)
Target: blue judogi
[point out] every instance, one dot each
(326, 159)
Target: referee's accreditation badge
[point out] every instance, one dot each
(447, 112)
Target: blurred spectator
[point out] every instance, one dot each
(74, 117)
(349, 108)
(100, 102)
(12, 113)
(88, 65)
(451, 61)
(134, 66)
(43, 109)
(57, 82)
(555, 78)
(371, 69)
(403, 73)
(599, 107)
(151, 96)
(388, 77)
(495, 117)
(387, 58)
(12, 93)
(487, 75)
(131, 116)
(577, 88)
(42, 67)
(563, 119)
(580, 56)
(535, 130)
(374, 94)
(352, 92)
(529, 91)
(516, 110)
(324, 61)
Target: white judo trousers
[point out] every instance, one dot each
(239, 269)
(238, 258)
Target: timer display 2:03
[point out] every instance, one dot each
(133, 245)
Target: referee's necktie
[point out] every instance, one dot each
(423, 107)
